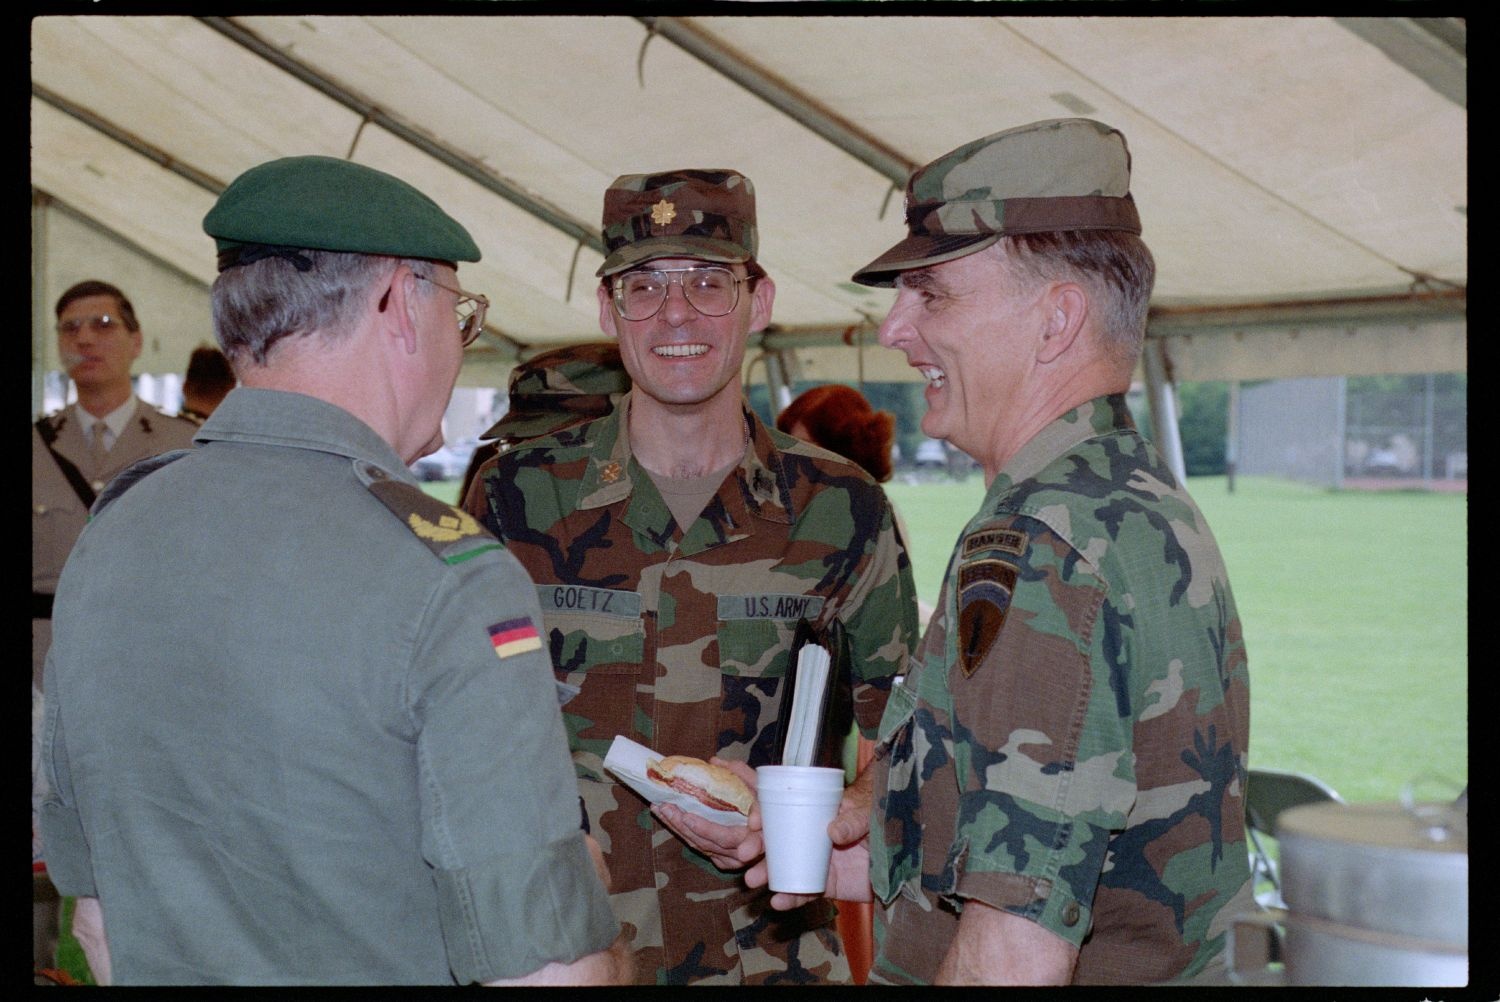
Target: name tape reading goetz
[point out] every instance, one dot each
(594, 601)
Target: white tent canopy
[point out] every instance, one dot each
(1302, 181)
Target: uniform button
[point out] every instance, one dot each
(1070, 914)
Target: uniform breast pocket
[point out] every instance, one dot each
(754, 635)
(54, 530)
(597, 642)
(896, 856)
(755, 631)
(592, 631)
(754, 648)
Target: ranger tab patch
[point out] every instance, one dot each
(984, 590)
(1001, 540)
(514, 636)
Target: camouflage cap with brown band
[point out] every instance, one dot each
(557, 388)
(708, 214)
(1059, 174)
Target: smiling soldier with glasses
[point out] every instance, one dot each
(687, 529)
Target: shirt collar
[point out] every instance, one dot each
(299, 421)
(115, 420)
(609, 476)
(1097, 417)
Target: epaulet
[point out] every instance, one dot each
(153, 411)
(451, 533)
(132, 475)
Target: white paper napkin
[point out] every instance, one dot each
(811, 690)
(627, 760)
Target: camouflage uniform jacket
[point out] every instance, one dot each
(679, 641)
(1070, 742)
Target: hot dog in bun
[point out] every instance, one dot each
(712, 785)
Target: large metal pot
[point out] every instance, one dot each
(1376, 894)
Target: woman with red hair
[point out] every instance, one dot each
(840, 419)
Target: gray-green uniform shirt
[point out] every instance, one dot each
(299, 726)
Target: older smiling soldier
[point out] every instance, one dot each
(691, 540)
(1060, 777)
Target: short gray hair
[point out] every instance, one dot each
(1115, 268)
(256, 305)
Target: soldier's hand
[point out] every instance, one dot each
(848, 865)
(727, 847)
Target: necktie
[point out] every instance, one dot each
(96, 447)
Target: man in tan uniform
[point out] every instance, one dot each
(78, 450)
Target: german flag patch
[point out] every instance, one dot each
(514, 636)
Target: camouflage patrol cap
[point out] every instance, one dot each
(561, 387)
(1059, 174)
(323, 203)
(708, 214)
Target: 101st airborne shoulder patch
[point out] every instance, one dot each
(986, 580)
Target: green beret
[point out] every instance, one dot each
(323, 203)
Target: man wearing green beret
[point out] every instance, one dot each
(678, 544)
(1060, 776)
(301, 728)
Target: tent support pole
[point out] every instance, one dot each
(778, 380)
(1163, 397)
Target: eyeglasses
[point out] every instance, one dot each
(101, 323)
(471, 309)
(712, 291)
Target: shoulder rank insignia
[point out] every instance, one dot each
(132, 475)
(985, 586)
(449, 532)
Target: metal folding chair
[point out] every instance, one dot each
(1268, 793)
